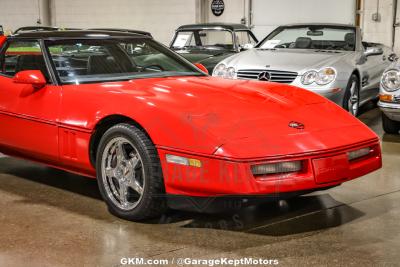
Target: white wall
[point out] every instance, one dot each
(160, 17)
(18, 13)
(267, 15)
(380, 32)
(234, 11)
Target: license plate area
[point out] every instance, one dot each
(331, 169)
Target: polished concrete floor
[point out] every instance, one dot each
(52, 218)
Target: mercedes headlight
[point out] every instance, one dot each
(219, 70)
(325, 76)
(222, 71)
(391, 80)
(321, 77)
(309, 77)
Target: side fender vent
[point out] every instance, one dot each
(68, 144)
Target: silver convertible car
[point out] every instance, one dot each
(389, 99)
(328, 59)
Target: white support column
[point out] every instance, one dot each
(202, 11)
(44, 13)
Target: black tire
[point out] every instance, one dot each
(390, 126)
(375, 101)
(348, 94)
(152, 203)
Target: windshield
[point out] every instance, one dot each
(311, 37)
(85, 61)
(207, 39)
(244, 38)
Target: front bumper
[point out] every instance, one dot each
(334, 91)
(223, 177)
(392, 110)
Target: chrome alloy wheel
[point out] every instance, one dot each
(123, 173)
(353, 104)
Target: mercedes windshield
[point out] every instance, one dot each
(315, 37)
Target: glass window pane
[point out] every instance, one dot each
(244, 37)
(79, 61)
(216, 38)
(184, 39)
(23, 55)
(312, 37)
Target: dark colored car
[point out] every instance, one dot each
(210, 43)
(1, 30)
(35, 28)
(41, 28)
(123, 30)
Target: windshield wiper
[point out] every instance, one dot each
(187, 47)
(269, 49)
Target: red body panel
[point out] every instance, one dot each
(226, 177)
(28, 119)
(2, 39)
(226, 124)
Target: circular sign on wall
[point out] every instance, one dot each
(217, 7)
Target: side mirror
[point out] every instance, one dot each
(373, 51)
(2, 39)
(201, 67)
(247, 47)
(393, 57)
(32, 77)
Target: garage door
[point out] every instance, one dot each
(267, 15)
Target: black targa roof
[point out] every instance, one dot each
(225, 26)
(79, 34)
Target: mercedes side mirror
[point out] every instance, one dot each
(373, 51)
(32, 77)
(393, 57)
(246, 47)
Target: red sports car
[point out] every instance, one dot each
(149, 125)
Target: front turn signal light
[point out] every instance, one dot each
(386, 98)
(277, 168)
(356, 154)
(183, 161)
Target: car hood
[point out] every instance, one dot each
(240, 119)
(211, 62)
(297, 60)
(200, 55)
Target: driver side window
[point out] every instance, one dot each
(20, 56)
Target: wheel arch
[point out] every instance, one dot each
(102, 126)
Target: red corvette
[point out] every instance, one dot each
(148, 124)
